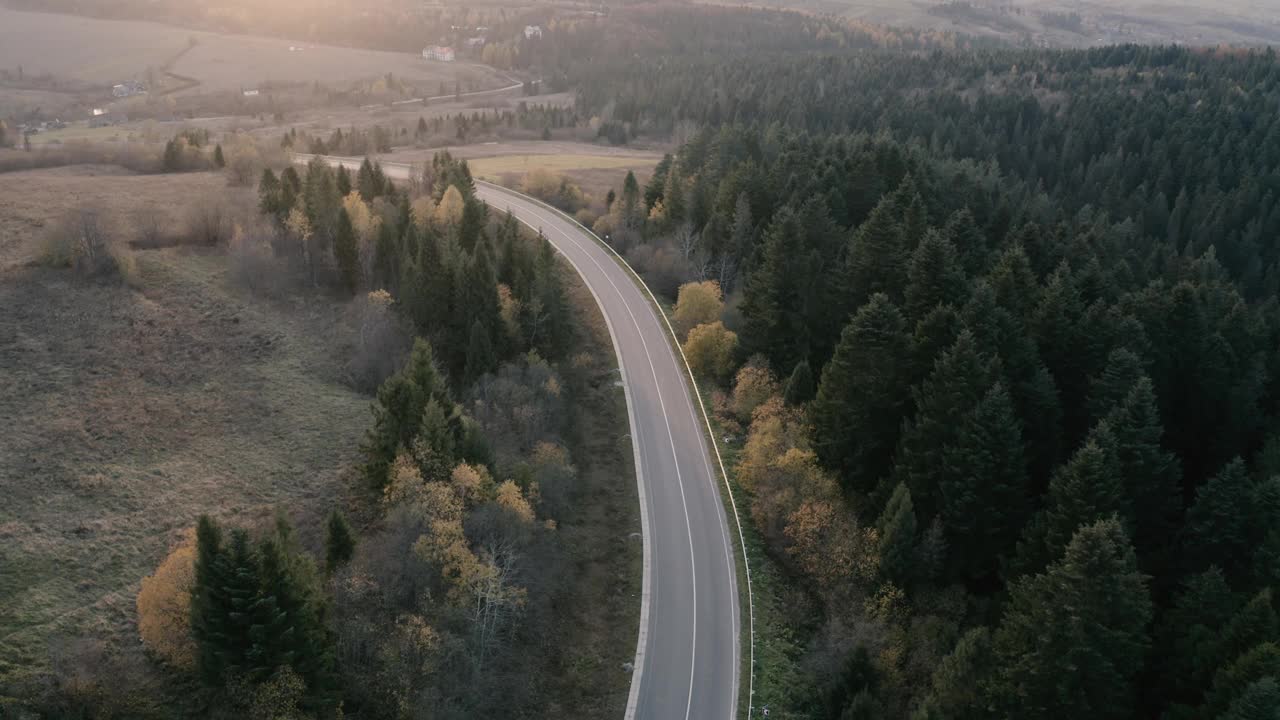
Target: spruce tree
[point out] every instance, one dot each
(861, 399)
(1151, 474)
(218, 160)
(1084, 666)
(346, 253)
(799, 388)
(771, 304)
(1217, 525)
(480, 356)
(1085, 490)
(210, 606)
(269, 194)
(339, 542)
(343, 180)
(877, 259)
(984, 501)
(897, 526)
(934, 276)
(631, 213)
(960, 378)
(1108, 390)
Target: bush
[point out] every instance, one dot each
(84, 241)
(208, 223)
(253, 263)
(710, 350)
(754, 385)
(698, 303)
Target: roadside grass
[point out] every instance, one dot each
(131, 413)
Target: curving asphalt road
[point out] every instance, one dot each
(687, 653)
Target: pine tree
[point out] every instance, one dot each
(876, 260)
(799, 388)
(1108, 390)
(1085, 490)
(861, 399)
(653, 192)
(771, 303)
(269, 194)
(1151, 475)
(339, 542)
(343, 180)
(897, 526)
(366, 182)
(1084, 666)
(209, 604)
(961, 377)
(480, 356)
(1217, 524)
(1013, 279)
(631, 214)
(346, 253)
(934, 276)
(984, 499)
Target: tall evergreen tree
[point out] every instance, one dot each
(1084, 667)
(1085, 490)
(339, 541)
(897, 526)
(1217, 526)
(934, 276)
(876, 260)
(984, 503)
(861, 399)
(346, 254)
(961, 377)
(799, 388)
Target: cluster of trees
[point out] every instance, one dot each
(973, 396)
(447, 598)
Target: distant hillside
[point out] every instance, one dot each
(1070, 23)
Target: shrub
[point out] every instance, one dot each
(208, 223)
(753, 386)
(710, 349)
(83, 240)
(698, 303)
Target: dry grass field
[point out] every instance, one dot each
(131, 410)
(105, 52)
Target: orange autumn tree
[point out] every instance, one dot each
(164, 607)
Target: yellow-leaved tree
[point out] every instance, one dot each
(164, 607)
(709, 350)
(698, 303)
(449, 212)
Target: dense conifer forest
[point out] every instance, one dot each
(1006, 329)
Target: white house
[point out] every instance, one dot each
(532, 31)
(439, 53)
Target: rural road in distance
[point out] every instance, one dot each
(688, 650)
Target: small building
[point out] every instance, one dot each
(476, 42)
(250, 93)
(532, 31)
(439, 53)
